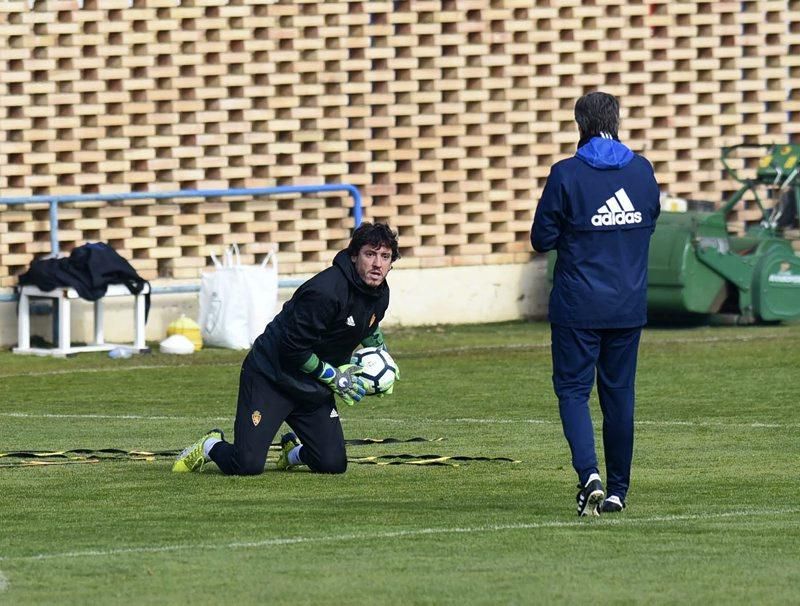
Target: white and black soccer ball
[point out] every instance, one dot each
(379, 369)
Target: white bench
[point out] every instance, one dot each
(62, 297)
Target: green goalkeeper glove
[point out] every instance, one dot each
(343, 381)
(388, 392)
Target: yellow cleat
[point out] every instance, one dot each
(192, 457)
(288, 442)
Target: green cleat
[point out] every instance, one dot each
(288, 442)
(192, 457)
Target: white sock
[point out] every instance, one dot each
(294, 456)
(594, 476)
(208, 445)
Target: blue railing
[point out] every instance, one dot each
(57, 199)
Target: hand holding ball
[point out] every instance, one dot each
(379, 370)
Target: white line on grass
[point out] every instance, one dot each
(546, 344)
(426, 352)
(460, 420)
(27, 415)
(71, 371)
(666, 423)
(400, 534)
(3, 582)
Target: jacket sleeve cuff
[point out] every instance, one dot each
(313, 365)
(375, 340)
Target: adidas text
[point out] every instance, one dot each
(617, 218)
(618, 210)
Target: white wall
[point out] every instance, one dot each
(458, 295)
(467, 295)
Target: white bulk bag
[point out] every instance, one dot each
(237, 301)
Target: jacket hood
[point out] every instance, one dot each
(347, 267)
(605, 153)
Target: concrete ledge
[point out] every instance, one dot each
(468, 295)
(455, 295)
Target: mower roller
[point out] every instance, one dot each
(696, 268)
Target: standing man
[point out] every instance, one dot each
(302, 360)
(598, 211)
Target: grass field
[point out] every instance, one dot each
(713, 513)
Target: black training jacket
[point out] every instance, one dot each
(329, 315)
(89, 269)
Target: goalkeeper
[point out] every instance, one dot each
(301, 362)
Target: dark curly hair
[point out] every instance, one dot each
(375, 235)
(597, 113)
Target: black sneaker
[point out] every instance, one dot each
(612, 504)
(590, 496)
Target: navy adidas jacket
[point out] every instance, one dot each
(329, 315)
(598, 211)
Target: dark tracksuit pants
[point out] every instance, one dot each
(610, 353)
(261, 409)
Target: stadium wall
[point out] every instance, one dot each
(446, 114)
(463, 295)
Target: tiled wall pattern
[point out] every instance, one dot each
(446, 114)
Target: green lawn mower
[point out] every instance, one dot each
(697, 269)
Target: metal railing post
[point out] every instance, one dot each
(54, 244)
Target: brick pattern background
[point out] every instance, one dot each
(446, 114)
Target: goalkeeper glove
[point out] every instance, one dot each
(388, 392)
(343, 381)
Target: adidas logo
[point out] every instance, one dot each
(334, 414)
(618, 210)
(350, 321)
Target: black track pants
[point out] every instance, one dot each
(260, 411)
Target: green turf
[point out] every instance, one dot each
(712, 518)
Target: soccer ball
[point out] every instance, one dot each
(379, 372)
